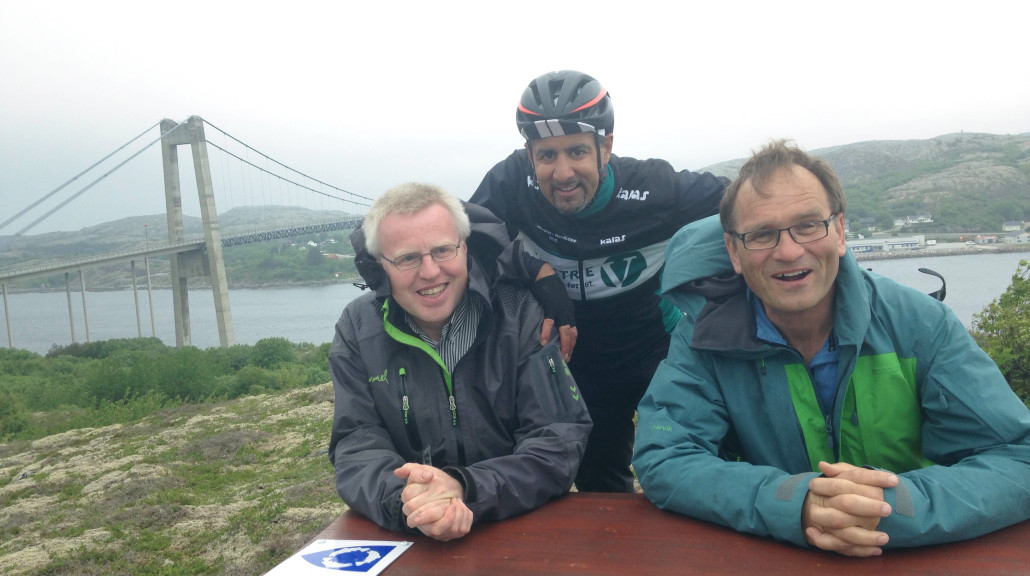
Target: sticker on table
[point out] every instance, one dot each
(337, 557)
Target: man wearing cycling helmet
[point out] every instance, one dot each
(602, 222)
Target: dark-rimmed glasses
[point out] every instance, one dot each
(413, 260)
(769, 238)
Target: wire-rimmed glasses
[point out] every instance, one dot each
(413, 260)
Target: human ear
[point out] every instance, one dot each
(731, 247)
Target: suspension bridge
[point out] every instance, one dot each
(247, 177)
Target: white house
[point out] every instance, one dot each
(1013, 226)
(1017, 238)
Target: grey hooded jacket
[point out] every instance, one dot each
(508, 423)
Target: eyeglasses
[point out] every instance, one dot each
(413, 260)
(769, 238)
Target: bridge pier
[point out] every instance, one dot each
(7, 318)
(68, 293)
(85, 311)
(185, 264)
(215, 264)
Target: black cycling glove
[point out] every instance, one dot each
(550, 292)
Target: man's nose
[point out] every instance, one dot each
(563, 168)
(429, 267)
(787, 248)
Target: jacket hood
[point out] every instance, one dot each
(697, 264)
(488, 239)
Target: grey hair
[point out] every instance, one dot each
(411, 198)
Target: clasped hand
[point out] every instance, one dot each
(843, 509)
(434, 502)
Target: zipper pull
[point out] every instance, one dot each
(454, 410)
(404, 391)
(551, 362)
(829, 434)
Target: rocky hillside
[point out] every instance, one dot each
(965, 182)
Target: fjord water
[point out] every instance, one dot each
(308, 314)
(299, 314)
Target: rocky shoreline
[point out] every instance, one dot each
(935, 251)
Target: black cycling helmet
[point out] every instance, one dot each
(564, 102)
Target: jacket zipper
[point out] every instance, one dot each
(829, 436)
(454, 424)
(408, 413)
(559, 398)
(452, 405)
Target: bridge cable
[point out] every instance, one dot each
(76, 177)
(93, 183)
(226, 181)
(287, 167)
(210, 143)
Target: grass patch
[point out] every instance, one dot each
(222, 487)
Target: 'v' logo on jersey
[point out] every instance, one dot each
(623, 270)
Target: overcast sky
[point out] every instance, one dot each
(365, 95)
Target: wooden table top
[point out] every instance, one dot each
(597, 534)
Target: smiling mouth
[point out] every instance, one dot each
(566, 188)
(432, 292)
(792, 276)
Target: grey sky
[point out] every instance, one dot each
(366, 95)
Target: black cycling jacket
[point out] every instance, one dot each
(611, 259)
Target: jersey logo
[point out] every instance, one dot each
(613, 240)
(623, 270)
(632, 194)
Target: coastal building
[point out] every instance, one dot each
(986, 239)
(909, 220)
(1014, 225)
(887, 244)
(1017, 238)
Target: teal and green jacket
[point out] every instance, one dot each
(730, 430)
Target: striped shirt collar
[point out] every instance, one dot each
(457, 335)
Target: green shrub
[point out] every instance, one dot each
(13, 416)
(10, 357)
(254, 380)
(104, 348)
(270, 352)
(1003, 330)
(227, 387)
(93, 384)
(317, 355)
(231, 359)
(108, 380)
(185, 373)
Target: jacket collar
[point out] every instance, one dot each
(727, 322)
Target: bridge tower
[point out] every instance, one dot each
(201, 262)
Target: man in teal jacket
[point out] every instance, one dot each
(809, 400)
